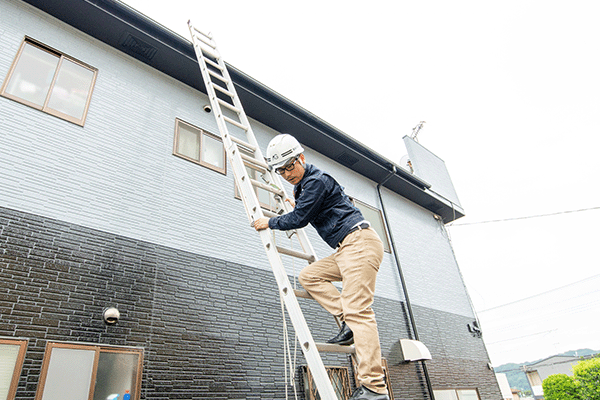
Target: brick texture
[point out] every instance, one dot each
(210, 328)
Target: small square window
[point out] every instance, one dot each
(375, 217)
(201, 147)
(12, 354)
(50, 81)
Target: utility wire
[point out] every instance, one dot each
(527, 217)
(541, 294)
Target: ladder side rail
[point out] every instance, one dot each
(307, 343)
(251, 204)
(301, 234)
(254, 211)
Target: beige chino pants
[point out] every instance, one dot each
(355, 264)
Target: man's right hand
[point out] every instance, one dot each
(261, 224)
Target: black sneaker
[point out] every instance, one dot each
(345, 336)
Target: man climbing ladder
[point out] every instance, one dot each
(320, 201)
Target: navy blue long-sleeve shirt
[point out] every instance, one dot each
(320, 201)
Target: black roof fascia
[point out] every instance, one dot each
(131, 32)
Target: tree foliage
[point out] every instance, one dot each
(560, 387)
(587, 375)
(583, 385)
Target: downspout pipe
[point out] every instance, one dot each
(402, 280)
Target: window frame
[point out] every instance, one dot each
(387, 247)
(254, 174)
(457, 391)
(200, 161)
(18, 368)
(61, 58)
(97, 348)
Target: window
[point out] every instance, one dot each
(199, 146)
(265, 198)
(90, 372)
(50, 81)
(12, 354)
(340, 381)
(375, 217)
(456, 394)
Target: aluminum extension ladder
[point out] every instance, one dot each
(242, 153)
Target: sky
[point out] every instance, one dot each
(510, 95)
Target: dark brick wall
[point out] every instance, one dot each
(210, 328)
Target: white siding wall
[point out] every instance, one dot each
(118, 174)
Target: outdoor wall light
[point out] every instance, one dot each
(474, 329)
(111, 315)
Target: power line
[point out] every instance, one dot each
(527, 217)
(540, 294)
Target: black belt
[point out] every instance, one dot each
(355, 228)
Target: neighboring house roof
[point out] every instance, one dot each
(551, 360)
(127, 30)
(557, 359)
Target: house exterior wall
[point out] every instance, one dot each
(105, 214)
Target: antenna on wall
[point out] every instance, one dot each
(416, 130)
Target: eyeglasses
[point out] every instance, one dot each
(287, 167)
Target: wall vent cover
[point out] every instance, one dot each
(347, 159)
(137, 47)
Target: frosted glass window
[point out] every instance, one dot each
(12, 353)
(456, 394)
(188, 144)
(265, 198)
(375, 217)
(33, 75)
(212, 151)
(8, 360)
(445, 395)
(90, 372)
(50, 81)
(199, 146)
(116, 374)
(69, 372)
(71, 89)
(467, 394)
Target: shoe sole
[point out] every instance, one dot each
(344, 343)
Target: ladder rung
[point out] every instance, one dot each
(209, 51)
(207, 35)
(269, 214)
(267, 187)
(208, 42)
(229, 106)
(216, 75)
(255, 163)
(213, 64)
(233, 122)
(297, 254)
(223, 90)
(335, 348)
(245, 145)
(303, 294)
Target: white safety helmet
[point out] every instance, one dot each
(282, 148)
